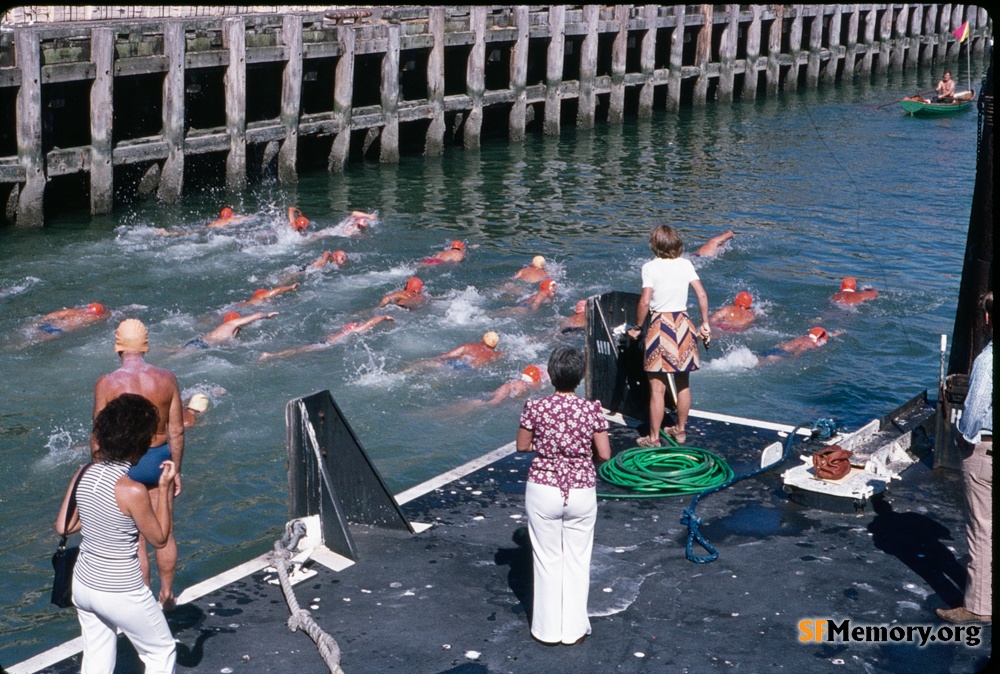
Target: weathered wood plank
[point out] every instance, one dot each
(551, 125)
(703, 56)
(751, 76)
(727, 55)
(172, 174)
(773, 72)
(234, 39)
(475, 84)
(389, 145)
(647, 60)
(815, 61)
(28, 107)
(343, 93)
(587, 102)
(676, 60)
(291, 96)
(102, 52)
(434, 141)
(619, 52)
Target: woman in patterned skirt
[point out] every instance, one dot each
(671, 344)
(568, 434)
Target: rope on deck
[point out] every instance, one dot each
(301, 619)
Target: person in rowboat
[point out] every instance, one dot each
(945, 88)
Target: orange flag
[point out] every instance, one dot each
(962, 32)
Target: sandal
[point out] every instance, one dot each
(644, 441)
(680, 438)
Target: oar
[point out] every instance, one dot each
(894, 102)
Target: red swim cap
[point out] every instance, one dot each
(300, 223)
(548, 285)
(533, 373)
(818, 335)
(457, 245)
(226, 213)
(414, 285)
(849, 285)
(231, 316)
(95, 308)
(744, 300)
(260, 292)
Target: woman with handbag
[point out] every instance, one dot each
(110, 511)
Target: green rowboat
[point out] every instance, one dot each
(921, 107)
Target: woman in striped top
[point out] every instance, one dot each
(110, 511)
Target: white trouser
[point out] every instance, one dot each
(562, 538)
(139, 617)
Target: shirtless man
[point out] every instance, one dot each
(62, 321)
(409, 297)
(945, 88)
(712, 247)
(263, 294)
(577, 322)
(455, 253)
(473, 354)
(534, 272)
(329, 340)
(816, 338)
(296, 220)
(529, 380)
(231, 325)
(195, 407)
(159, 386)
(737, 316)
(849, 294)
(226, 217)
(337, 257)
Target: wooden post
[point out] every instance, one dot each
(343, 94)
(519, 74)
(871, 17)
(815, 45)
(773, 72)
(884, 41)
(727, 55)
(647, 60)
(389, 145)
(750, 74)
(899, 41)
(702, 56)
(434, 142)
(102, 53)
(30, 201)
(291, 97)
(475, 72)
(955, 20)
(794, 50)
(851, 54)
(234, 40)
(982, 18)
(619, 51)
(916, 21)
(554, 69)
(676, 60)
(587, 102)
(172, 175)
(930, 29)
(833, 40)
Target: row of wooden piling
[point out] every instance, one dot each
(716, 53)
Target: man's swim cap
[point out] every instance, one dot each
(743, 299)
(491, 339)
(260, 292)
(580, 307)
(818, 335)
(538, 261)
(226, 213)
(300, 223)
(548, 285)
(198, 402)
(414, 285)
(531, 374)
(848, 285)
(457, 245)
(339, 256)
(95, 308)
(231, 316)
(131, 335)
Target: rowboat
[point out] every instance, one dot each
(926, 107)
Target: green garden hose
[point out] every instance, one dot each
(658, 472)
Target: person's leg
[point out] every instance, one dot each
(682, 381)
(166, 562)
(578, 544)
(657, 394)
(141, 620)
(100, 641)
(977, 473)
(544, 508)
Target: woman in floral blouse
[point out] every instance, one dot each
(568, 434)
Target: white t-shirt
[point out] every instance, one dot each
(669, 279)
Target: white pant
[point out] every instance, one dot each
(139, 617)
(562, 538)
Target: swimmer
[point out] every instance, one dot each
(263, 294)
(577, 322)
(530, 379)
(226, 217)
(737, 316)
(713, 246)
(534, 272)
(410, 297)
(59, 322)
(816, 338)
(546, 293)
(338, 257)
(231, 325)
(454, 253)
(329, 340)
(196, 406)
(356, 222)
(296, 220)
(849, 294)
(468, 355)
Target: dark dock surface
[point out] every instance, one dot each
(456, 597)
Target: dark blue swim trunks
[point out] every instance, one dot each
(147, 471)
(50, 329)
(196, 343)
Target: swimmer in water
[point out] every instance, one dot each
(338, 258)
(849, 294)
(468, 355)
(355, 223)
(410, 297)
(231, 325)
(530, 379)
(263, 294)
(737, 316)
(296, 220)
(545, 294)
(330, 340)
(816, 338)
(59, 322)
(534, 272)
(577, 322)
(713, 246)
(195, 407)
(454, 253)
(226, 217)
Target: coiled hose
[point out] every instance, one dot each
(659, 472)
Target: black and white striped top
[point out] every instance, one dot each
(108, 558)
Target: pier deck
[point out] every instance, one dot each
(456, 596)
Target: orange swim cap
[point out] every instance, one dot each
(260, 292)
(531, 374)
(226, 213)
(743, 299)
(580, 307)
(457, 245)
(849, 285)
(548, 285)
(414, 285)
(818, 335)
(300, 223)
(231, 316)
(95, 308)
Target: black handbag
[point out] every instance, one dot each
(64, 558)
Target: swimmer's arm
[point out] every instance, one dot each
(457, 352)
(297, 350)
(246, 320)
(373, 321)
(293, 213)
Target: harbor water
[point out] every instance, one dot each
(817, 185)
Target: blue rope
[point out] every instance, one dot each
(822, 429)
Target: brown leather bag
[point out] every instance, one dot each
(832, 463)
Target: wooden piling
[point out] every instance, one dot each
(475, 72)
(551, 124)
(815, 61)
(586, 105)
(703, 56)
(837, 53)
(102, 53)
(616, 104)
(29, 130)
(791, 82)
(172, 175)
(291, 96)
(434, 141)
(676, 60)
(389, 145)
(871, 18)
(773, 72)
(519, 75)
(343, 93)
(647, 61)
(727, 55)
(234, 41)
